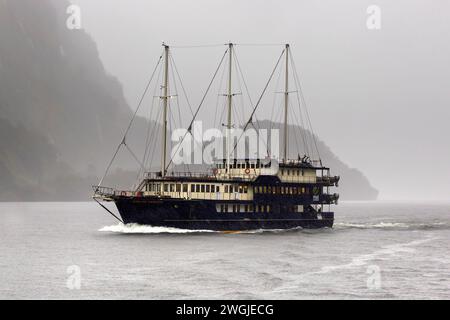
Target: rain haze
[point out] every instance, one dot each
(94, 206)
(379, 98)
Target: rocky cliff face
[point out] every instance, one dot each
(61, 114)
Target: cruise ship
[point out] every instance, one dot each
(232, 194)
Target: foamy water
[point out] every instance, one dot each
(136, 228)
(145, 229)
(375, 251)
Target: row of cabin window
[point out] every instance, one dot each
(201, 188)
(292, 172)
(258, 208)
(281, 190)
(244, 165)
(245, 208)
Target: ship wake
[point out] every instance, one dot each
(145, 229)
(393, 225)
(134, 228)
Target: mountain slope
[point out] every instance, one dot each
(62, 114)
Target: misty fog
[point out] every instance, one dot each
(379, 98)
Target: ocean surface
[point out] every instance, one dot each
(377, 250)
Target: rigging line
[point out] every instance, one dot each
(291, 109)
(134, 156)
(306, 107)
(186, 166)
(199, 46)
(243, 80)
(259, 44)
(181, 82)
(176, 98)
(147, 139)
(218, 97)
(301, 128)
(154, 140)
(259, 100)
(200, 105)
(222, 115)
(240, 76)
(274, 103)
(158, 107)
(131, 122)
(110, 212)
(277, 124)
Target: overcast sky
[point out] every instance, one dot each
(379, 98)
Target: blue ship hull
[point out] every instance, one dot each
(203, 215)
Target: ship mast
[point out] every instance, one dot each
(286, 102)
(230, 53)
(165, 98)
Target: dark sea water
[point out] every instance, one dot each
(377, 250)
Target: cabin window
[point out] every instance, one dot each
(231, 189)
(268, 208)
(166, 187)
(282, 172)
(252, 165)
(178, 187)
(302, 172)
(217, 189)
(226, 189)
(250, 207)
(246, 208)
(207, 188)
(245, 189)
(197, 188)
(265, 189)
(185, 187)
(202, 188)
(192, 187)
(294, 190)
